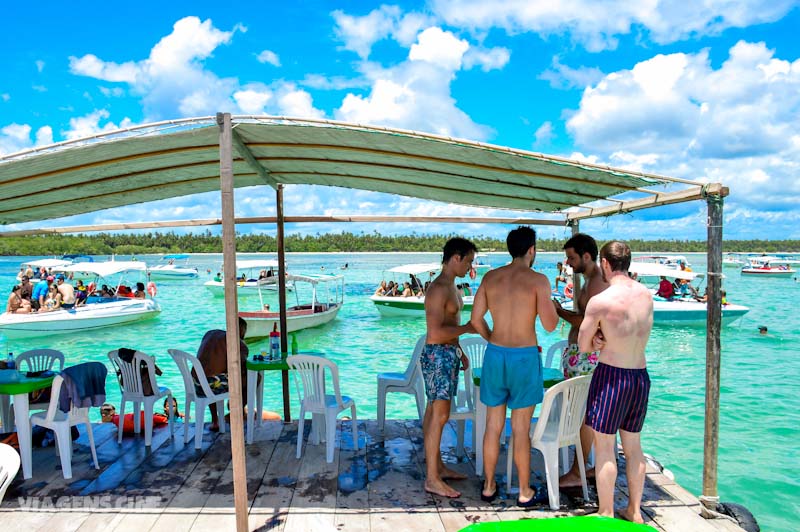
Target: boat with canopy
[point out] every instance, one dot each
(255, 274)
(412, 306)
(173, 267)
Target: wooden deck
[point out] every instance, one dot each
(379, 488)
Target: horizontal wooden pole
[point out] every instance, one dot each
(288, 219)
(656, 200)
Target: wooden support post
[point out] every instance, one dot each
(576, 278)
(232, 323)
(287, 413)
(710, 497)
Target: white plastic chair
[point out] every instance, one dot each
(555, 351)
(133, 391)
(9, 465)
(559, 425)
(184, 360)
(409, 381)
(60, 423)
(309, 375)
(40, 360)
(474, 347)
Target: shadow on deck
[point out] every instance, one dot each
(173, 487)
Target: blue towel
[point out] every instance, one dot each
(84, 385)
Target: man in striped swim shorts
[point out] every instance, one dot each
(617, 322)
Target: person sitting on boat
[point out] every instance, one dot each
(124, 291)
(467, 289)
(262, 274)
(213, 355)
(81, 293)
(67, 292)
(218, 278)
(53, 301)
(391, 289)
(702, 298)
(665, 289)
(17, 305)
(26, 288)
(415, 284)
(407, 291)
(381, 290)
(682, 287)
(140, 293)
(105, 291)
(561, 275)
(40, 293)
(29, 272)
(724, 295)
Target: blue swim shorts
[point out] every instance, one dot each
(511, 376)
(440, 363)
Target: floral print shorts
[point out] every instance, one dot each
(575, 364)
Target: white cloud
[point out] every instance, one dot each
(360, 33)
(268, 56)
(39, 65)
(89, 125)
(252, 101)
(562, 76)
(487, 58)
(598, 25)
(90, 65)
(544, 134)
(440, 48)
(115, 92)
(17, 137)
(678, 115)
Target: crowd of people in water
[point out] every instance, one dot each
(55, 292)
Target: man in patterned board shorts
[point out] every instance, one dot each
(618, 322)
(441, 359)
(581, 256)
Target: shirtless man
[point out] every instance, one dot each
(441, 358)
(67, 292)
(512, 367)
(618, 322)
(581, 253)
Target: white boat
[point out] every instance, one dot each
(47, 264)
(481, 262)
(413, 306)
(249, 282)
(679, 310)
(729, 260)
(175, 267)
(673, 262)
(326, 299)
(97, 312)
(768, 266)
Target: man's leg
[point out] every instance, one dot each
(520, 430)
(605, 471)
(495, 420)
(635, 471)
(436, 415)
(572, 478)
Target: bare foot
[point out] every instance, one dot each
(448, 474)
(572, 479)
(628, 515)
(441, 488)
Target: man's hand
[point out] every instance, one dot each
(598, 341)
(464, 361)
(557, 305)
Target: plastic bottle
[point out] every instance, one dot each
(10, 364)
(294, 344)
(275, 342)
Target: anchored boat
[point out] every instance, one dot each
(173, 267)
(411, 306)
(255, 274)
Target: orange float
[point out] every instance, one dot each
(127, 425)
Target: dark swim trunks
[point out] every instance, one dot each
(617, 399)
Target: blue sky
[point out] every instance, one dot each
(707, 92)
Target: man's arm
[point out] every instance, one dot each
(570, 316)
(589, 326)
(434, 317)
(479, 308)
(547, 311)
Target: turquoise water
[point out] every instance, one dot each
(758, 458)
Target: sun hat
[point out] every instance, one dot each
(51, 278)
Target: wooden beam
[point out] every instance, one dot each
(287, 413)
(232, 323)
(710, 497)
(288, 219)
(667, 198)
(248, 156)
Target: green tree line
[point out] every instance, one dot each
(170, 242)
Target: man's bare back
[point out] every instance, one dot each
(514, 295)
(623, 314)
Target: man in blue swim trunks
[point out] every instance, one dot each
(442, 357)
(512, 368)
(618, 321)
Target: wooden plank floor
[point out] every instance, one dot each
(173, 487)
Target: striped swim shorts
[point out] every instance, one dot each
(617, 399)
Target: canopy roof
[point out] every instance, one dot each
(48, 263)
(176, 158)
(256, 263)
(104, 269)
(312, 278)
(417, 269)
(653, 269)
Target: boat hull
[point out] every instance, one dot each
(85, 318)
(261, 323)
(172, 273)
(688, 313)
(399, 307)
(772, 272)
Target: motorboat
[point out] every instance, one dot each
(730, 260)
(173, 267)
(674, 262)
(481, 263)
(769, 266)
(411, 306)
(254, 274)
(325, 298)
(97, 312)
(680, 309)
(50, 265)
